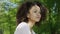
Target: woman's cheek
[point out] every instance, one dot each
(34, 17)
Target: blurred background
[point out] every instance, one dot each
(8, 9)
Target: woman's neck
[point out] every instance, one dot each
(31, 23)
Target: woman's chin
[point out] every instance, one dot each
(37, 20)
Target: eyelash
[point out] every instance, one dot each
(36, 11)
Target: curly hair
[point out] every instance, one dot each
(24, 10)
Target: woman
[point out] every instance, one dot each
(29, 14)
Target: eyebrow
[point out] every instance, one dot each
(37, 10)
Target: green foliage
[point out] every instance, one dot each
(8, 17)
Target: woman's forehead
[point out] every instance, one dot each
(35, 7)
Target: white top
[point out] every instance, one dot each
(23, 28)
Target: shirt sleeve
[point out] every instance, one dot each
(22, 30)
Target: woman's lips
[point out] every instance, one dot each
(38, 17)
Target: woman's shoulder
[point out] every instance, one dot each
(22, 25)
(22, 28)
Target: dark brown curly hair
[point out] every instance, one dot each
(23, 10)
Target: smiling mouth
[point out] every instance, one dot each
(38, 17)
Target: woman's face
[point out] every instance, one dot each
(34, 13)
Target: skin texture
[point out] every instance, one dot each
(33, 15)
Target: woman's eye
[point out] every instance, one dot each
(35, 11)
